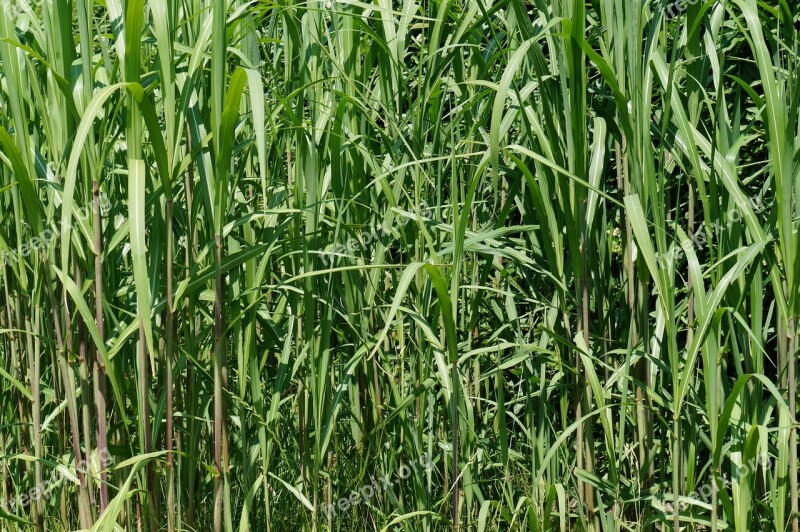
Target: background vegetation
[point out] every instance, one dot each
(256, 254)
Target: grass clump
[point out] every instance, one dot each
(260, 259)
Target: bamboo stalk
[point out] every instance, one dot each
(98, 366)
(69, 392)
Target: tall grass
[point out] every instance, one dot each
(258, 256)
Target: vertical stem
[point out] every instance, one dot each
(793, 333)
(218, 364)
(191, 320)
(783, 342)
(35, 369)
(218, 73)
(676, 471)
(6, 349)
(69, 391)
(170, 325)
(148, 499)
(83, 371)
(455, 428)
(585, 391)
(98, 365)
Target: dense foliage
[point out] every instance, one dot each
(399, 265)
